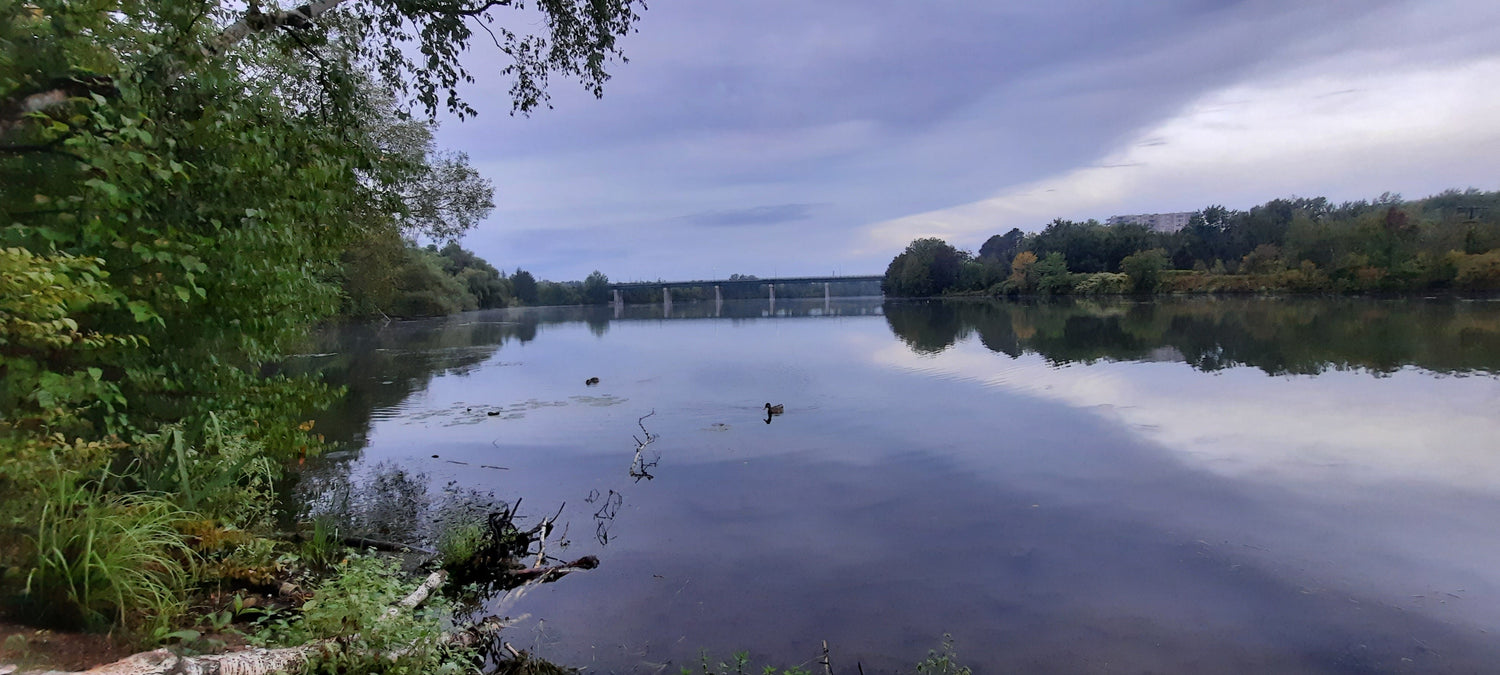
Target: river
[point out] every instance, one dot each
(1184, 485)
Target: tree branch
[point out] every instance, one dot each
(54, 93)
(256, 21)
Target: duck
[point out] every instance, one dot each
(775, 409)
(591, 381)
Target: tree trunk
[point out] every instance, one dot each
(256, 22)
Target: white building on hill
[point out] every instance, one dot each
(1161, 222)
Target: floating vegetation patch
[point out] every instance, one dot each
(602, 401)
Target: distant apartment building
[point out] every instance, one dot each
(1161, 222)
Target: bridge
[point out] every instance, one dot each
(718, 284)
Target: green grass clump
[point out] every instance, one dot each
(459, 542)
(96, 558)
(323, 546)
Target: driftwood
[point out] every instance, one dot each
(387, 546)
(261, 661)
(546, 574)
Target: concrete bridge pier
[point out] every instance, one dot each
(826, 294)
(773, 291)
(666, 297)
(619, 300)
(718, 295)
(619, 309)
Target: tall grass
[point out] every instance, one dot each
(97, 559)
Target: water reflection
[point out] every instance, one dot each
(1186, 486)
(1278, 336)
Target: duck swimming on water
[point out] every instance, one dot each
(774, 409)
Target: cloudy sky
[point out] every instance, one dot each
(780, 137)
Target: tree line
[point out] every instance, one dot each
(406, 281)
(1446, 241)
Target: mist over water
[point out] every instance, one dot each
(1206, 485)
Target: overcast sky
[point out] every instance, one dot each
(779, 137)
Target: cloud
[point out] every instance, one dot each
(900, 118)
(1331, 128)
(772, 214)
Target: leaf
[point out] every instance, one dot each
(141, 311)
(183, 635)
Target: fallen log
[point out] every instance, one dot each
(256, 661)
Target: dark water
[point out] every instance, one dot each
(1236, 485)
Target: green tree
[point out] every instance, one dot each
(1144, 269)
(596, 288)
(524, 286)
(1052, 274)
(927, 267)
(1002, 248)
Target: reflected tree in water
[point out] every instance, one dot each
(1277, 336)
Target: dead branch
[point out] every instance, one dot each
(546, 574)
(419, 595)
(387, 546)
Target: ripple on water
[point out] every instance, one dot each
(460, 413)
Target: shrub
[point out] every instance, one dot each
(1103, 283)
(1144, 269)
(459, 542)
(352, 606)
(1479, 272)
(97, 558)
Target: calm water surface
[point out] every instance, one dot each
(1203, 485)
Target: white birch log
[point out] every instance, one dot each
(258, 661)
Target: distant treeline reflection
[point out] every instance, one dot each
(1278, 336)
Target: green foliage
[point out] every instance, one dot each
(352, 606)
(174, 216)
(596, 288)
(927, 267)
(1144, 269)
(323, 546)
(1298, 244)
(524, 286)
(224, 475)
(1478, 272)
(1052, 275)
(943, 661)
(459, 542)
(53, 366)
(94, 558)
(1104, 283)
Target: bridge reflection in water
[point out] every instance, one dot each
(746, 288)
(751, 309)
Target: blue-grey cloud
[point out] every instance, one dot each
(770, 214)
(878, 109)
